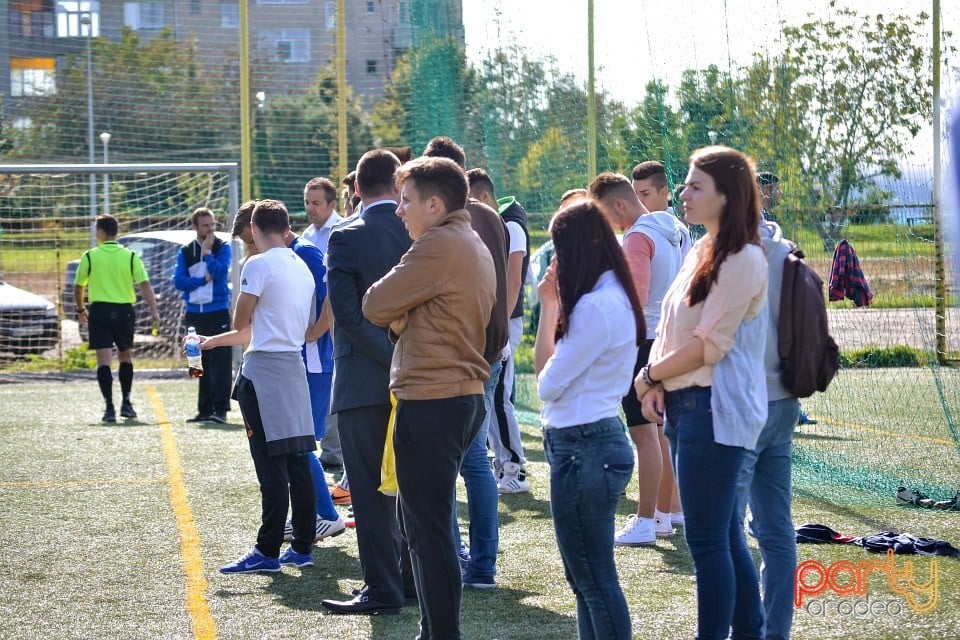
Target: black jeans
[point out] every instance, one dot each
(384, 558)
(429, 441)
(214, 395)
(284, 479)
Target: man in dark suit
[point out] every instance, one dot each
(360, 253)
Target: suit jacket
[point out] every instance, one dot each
(360, 253)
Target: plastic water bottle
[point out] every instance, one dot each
(192, 347)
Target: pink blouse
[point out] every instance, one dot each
(738, 293)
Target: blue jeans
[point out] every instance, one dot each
(765, 484)
(590, 466)
(707, 473)
(482, 496)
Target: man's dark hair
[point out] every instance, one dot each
(108, 224)
(201, 212)
(653, 171)
(444, 147)
(767, 177)
(350, 180)
(242, 219)
(329, 190)
(375, 173)
(270, 216)
(441, 177)
(610, 184)
(404, 154)
(480, 179)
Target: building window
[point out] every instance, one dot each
(195, 7)
(33, 76)
(287, 45)
(69, 14)
(143, 15)
(371, 6)
(371, 66)
(229, 15)
(283, 1)
(403, 13)
(330, 13)
(29, 19)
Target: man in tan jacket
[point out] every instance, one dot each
(437, 303)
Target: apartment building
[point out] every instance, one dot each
(290, 40)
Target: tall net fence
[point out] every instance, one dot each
(835, 98)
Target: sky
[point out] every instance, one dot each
(638, 40)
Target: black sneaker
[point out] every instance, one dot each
(953, 504)
(199, 418)
(109, 415)
(914, 497)
(126, 410)
(219, 418)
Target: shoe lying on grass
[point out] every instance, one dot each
(953, 504)
(913, 497)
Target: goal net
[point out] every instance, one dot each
(46, 223)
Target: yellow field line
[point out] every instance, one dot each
(204, 628)
(859, 427)
(67, 483)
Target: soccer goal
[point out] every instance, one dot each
(47, 215)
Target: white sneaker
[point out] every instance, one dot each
(325, 529)
(662, 524)
(329, 528)
(513, 479)
(676, 518)
(637, 532)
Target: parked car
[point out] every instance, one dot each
(28, 322)
(158, 250)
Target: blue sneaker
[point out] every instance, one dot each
(291, 557)
(464, 556)
(253, 562)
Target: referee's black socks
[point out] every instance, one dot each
(105, 380)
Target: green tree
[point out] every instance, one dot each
(653, 130)
(295, 139)
(552, 165)
(430, 94)
(150, 94)
(859, 88)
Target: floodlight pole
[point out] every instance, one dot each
(87, 20)
(105, 139)
(940, 274)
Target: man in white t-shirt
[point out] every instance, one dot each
(504, 432)
(277, 297)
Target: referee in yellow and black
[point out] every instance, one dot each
(111, 270)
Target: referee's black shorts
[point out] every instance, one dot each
(111, 324)
(630, 404)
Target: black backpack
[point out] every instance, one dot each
(809, 357)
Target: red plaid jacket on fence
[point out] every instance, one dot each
(846, 277)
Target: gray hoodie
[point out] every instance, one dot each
(671, 242)
(777, 249)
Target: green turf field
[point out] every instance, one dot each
(118, 531)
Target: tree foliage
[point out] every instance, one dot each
(858, 88)
(167, 109)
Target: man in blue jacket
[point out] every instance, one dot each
(202, 274)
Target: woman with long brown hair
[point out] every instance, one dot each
(591, 325)
(706, 371)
